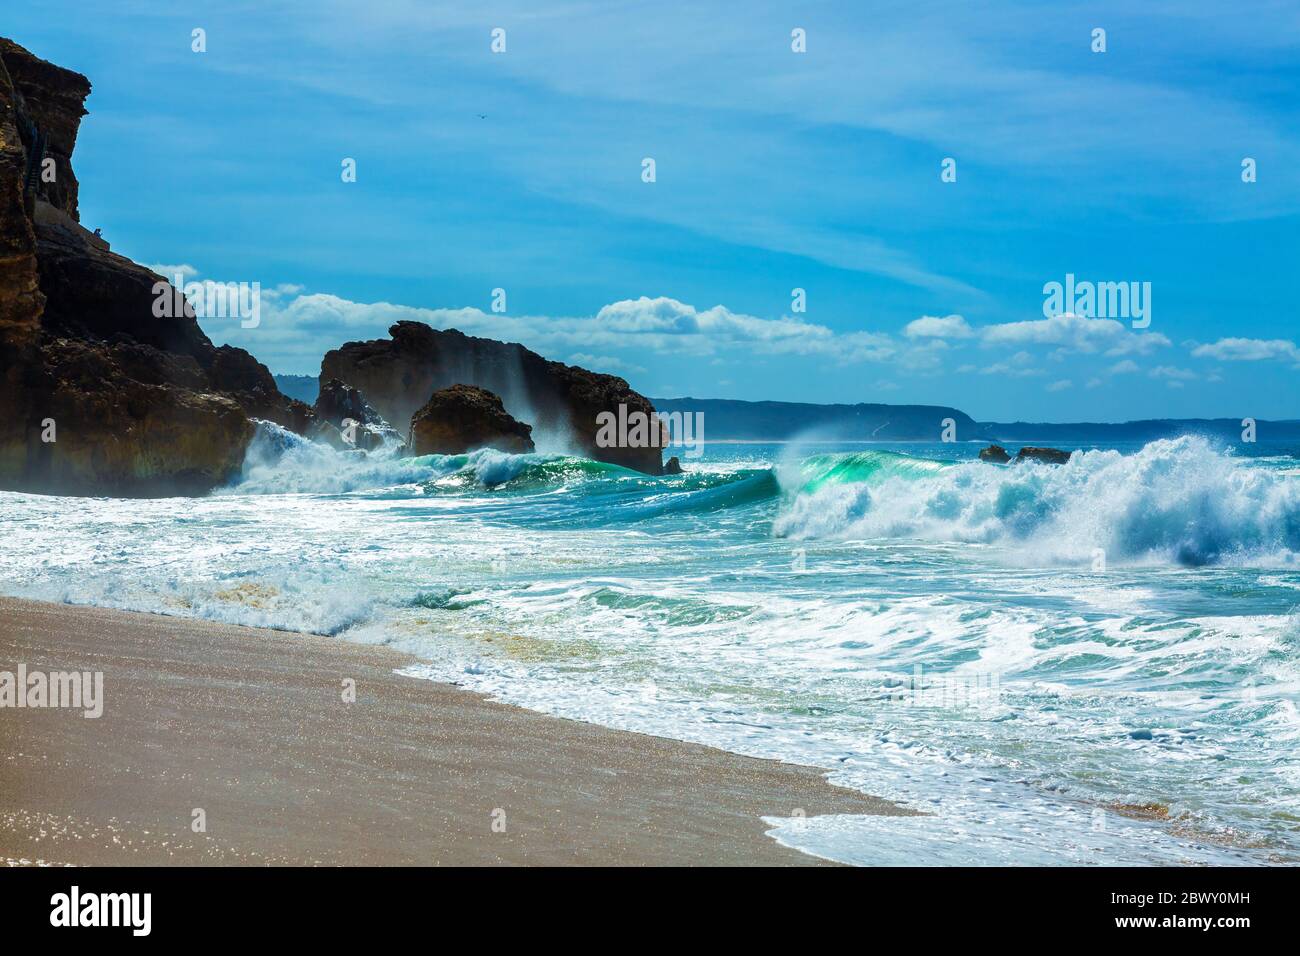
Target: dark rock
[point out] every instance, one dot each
(340, 404)
(465, 417)
(141, 404)
(561, 401)
(52, 100)
(242, 378)
(673, 466)
(114, 434)
(996, 454)
(1050, 456)
(20, 296)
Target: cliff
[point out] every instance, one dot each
(97, 395)
(561, 402)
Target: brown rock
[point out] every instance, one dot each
(52, 100)
(462, 418)
(338, 404)
(398, 374)
(141, 403)
(116, 435)
(1050, 456)
(20, 296)
(996, 454)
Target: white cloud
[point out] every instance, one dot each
(296, 330)
(1172, 373)
(671, 326)
(1061, 385)
(186, 272)
(1249, 350)
(1020, 365)
(933, 327)
(1124, 368)
(1075, 333)
(607, 363)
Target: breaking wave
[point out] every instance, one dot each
(1178, 500)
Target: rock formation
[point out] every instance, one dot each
(346, 412)
(561, 402)
(97, 394)
(1050, 456)
(20, 297)
(995, 454)
(465, 417)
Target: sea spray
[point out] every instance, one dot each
(1178, 500)
(667, 605)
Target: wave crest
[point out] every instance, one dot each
(1177, 500)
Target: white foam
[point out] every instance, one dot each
(1177, 500)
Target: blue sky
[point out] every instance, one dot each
(775, 170)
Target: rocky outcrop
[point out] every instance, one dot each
(98, 394)
(1050, 456)
(562, 402)
(995, 454)
(350, 416)
(20, 296)
(48, 103)
(99, 426)
(92, 294)
(462, 418)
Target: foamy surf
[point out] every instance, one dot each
(815, 607)
(1179, 501)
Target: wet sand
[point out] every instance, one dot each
(250, 727)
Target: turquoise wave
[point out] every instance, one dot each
(864, 467)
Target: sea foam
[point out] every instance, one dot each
(1179, 500)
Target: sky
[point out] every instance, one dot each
(921, 171)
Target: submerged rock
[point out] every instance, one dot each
(1050, 456)
(996, 454)
(462, 418)
(565, 402)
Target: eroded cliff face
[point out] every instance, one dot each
(20, 296)
(52, 100)
(561, 402)
(97, 394)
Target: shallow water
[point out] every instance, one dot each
(1093, 663)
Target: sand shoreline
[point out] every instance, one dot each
(250, 727)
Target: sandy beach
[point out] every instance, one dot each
(250, 727)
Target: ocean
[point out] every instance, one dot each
(1095, 663)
